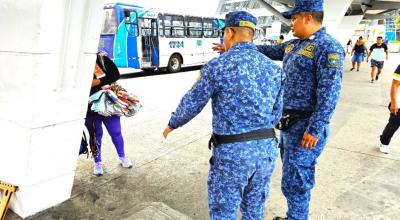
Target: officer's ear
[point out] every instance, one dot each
(307, 17)
(229, 33)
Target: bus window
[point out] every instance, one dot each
(131, 21)
(160, 25)
(210, 31)
(110, 22)
(173, 26)
(194, 27)
(148, 27)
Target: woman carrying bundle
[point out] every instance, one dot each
(105, 73)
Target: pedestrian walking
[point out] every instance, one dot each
(105, 72)
(359, 51)
(377, 53)
(349, 45)
(394, 118)
(245, 88)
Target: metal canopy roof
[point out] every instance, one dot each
(372, 9)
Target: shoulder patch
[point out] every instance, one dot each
(197, 80)
(333, 60)
(289, 48)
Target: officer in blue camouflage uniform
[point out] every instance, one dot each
(313, 65)
(246, 92)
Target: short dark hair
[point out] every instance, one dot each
(379, 37)
(317, 16)
(360, 37)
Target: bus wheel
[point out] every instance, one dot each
(174, 63)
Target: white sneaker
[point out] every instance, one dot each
(98, 169)
(125, 162)
(384, 148)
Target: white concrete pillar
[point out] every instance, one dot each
(346, 28)
(334, 11)
(47, 55)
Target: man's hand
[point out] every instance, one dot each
(167, 131)
(393, 108)
(218, 47)
(308, 141)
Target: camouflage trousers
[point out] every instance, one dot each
(298, 169)
(239, 176)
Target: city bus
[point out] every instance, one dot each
(148, 39)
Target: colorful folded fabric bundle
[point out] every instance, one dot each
(115, 100)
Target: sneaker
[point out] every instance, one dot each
(98, 169)
(384, 148)
(125, 163)
(280, 218)
(358, 70)
(377, 77)
(372, 81)
(352, 69)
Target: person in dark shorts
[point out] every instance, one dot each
(377, 53)
(359, 51)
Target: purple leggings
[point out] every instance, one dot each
(113, 125)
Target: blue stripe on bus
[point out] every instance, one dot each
(107, 44)
(120, 55)
(154, 57)
(133, 55)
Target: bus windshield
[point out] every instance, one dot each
(110, 22)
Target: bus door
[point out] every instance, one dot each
(132, 29)
(150, 43)
(125, 51)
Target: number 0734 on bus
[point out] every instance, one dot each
(148, 39)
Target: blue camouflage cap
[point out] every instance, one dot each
(240, 19)
(305, 6)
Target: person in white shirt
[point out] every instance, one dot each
(394, 119)
(377, 51)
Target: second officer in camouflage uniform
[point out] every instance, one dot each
(313, 65)
(246, 92)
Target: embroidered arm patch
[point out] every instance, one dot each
(333, 60)
(197, 80)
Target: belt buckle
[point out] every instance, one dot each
(213, 143)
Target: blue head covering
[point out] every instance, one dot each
(240, 19)
(305, 6)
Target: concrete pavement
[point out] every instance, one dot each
(354, 180)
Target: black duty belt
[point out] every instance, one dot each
(298, 113)
(216, 140)
(290, 117)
